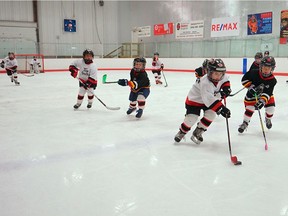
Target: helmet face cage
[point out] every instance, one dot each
(86, 52)
(139, 59)
(268, 61)
(216, 65)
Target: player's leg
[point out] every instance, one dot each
(249, 110)
(80, 97)
(141, 100)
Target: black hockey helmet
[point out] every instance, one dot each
(216, 65)
(266, 53)
(268, 61)
(11, 55)
(156, 53)
(86, 52)
(258, 55)
(139, 59)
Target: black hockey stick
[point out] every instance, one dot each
(110, 108)
(234, 159)
(166, 84)
(231, 95)
(104, 78)
(262, 127)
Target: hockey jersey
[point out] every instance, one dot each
(256, 78)
(85, 70)
(207, 93)
(141, 79)
(156, 65)
(10, 64)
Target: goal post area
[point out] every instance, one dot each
(24, 62)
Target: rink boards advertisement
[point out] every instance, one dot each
(260, 23)
(144, 31)
(193, 29)
(225, 26)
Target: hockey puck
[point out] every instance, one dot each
(238, 163)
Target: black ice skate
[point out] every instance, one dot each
(139, 113)
(77, 105)
(197, 135)
(130, 110)
(268, 123)
(89, 105)
(16, 83)
(179, 136)
(243, 127)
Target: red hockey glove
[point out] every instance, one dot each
(91, 83)
(73, 70)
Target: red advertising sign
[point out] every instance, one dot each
(162, 29)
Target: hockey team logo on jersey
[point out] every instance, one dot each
(85, 71)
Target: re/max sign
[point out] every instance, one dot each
(225, 26)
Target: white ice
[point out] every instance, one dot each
(55, 161)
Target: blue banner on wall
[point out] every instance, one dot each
(259, 23)
(69, 25)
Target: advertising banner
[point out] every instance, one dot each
(69, 25)
(260, 23)
(284, 27)
(163, 29)
(225, 26)
(192, 29)
(144, 31)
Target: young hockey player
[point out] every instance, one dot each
(87, 77)
(205, 95)
(260, 84)
(140, 86)
(255, 65)
(10, 64)
(157, 66)
(34, 65)
(201, 71)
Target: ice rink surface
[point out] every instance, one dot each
(55, 161)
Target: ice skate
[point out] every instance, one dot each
(77, 105)
(17, 83)
(179, 136)
(89, 105)
(197, 135)
(130, 110)
(12, 80)
(159, 82)
(268, 123)
(243, 127)
(139, 113)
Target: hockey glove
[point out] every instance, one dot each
(226, 91)
(225, 112)
(123, 82)
(2, 64)
(256, 90)
(133, 84)
(259, 104)
(162, 66)
(154, 63)
(91, 83)
(73, 70)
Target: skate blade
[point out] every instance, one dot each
(195, 140)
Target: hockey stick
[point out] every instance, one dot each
(262, 127)
(234, 159)
(164, 78)
(27, 75)
(109, 108)
(104, 78)
(231, 95)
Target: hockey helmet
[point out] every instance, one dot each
(139, 59)
(266, 53)
(86, 52)
(11, 55)
(267, 61)
(216, 65)
(156, 53)
(205, 63)
(258, 55)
